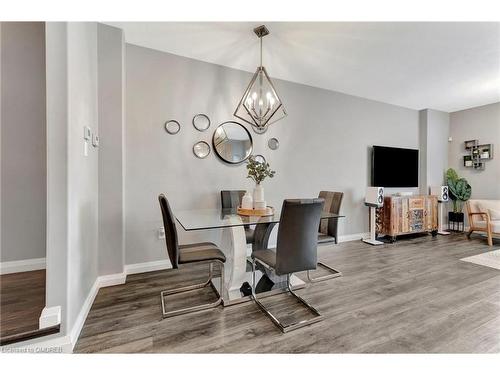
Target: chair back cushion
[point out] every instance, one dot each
(170, 231)
(333, 201)
(296, 248)
(231, 198)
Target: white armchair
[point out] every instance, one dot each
(484, 216)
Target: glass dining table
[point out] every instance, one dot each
(233, 243)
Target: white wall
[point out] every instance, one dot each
(82, 170)
(324, 144)
(111, 75)
(23, 149)
(481, 123)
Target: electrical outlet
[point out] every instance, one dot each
(161, 233)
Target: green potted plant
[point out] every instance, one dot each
(258, 171)
(460, 192)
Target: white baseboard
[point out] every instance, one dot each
(353, 237)
(22, 266)
(50, 316)
(157, 265)
(100, 282)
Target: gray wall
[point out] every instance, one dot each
(111, 75)
(482, 123)
(324, 144)
(23, 149)
(434, 134)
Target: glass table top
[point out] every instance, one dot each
(199, 219)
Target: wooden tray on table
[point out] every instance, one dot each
(268, 211)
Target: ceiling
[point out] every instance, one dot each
(446, 66)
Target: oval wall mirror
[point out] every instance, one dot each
(172, 127)
(232, 142)
(260, 159)
(201, 122)
(201, 149)
(273, 144)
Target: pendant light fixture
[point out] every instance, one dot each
(260, 106)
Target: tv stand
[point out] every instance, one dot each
(403, 215)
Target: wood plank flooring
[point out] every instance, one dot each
(22, 299)
(415, 296)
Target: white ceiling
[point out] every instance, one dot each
(445, 66)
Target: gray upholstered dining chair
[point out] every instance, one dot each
(296, 251)
(232, 199)
(205, 252)
(328, 229)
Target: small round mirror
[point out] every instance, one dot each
(260, 159)
(232, 142)
(201, 149)
(201, 122)
(172, 127)
(273, 144)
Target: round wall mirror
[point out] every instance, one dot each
(201, 149)
(172, 127)
(232, 142)
(201, 122)
(273, 144)
(260, 159)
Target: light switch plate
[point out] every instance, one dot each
(95, 140)
(87, 133)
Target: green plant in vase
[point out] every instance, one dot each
(459, 188)
(258, 172)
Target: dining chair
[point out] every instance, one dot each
(232, 199)
(328, 229)
(204, 252)
(296, 251)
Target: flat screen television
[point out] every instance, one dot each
(394, 167)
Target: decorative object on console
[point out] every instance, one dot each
(459, 192)
(260, 105)
(478, 154)
(247, 201)
(201, 122)
(258, 173)
(201, 149)
(408, 215)
(172, 127)
(442, 194)
(260, 159)
(374, 198)
(273, 144)
(232, 142)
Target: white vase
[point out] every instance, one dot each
(258, 196)
(247, 201)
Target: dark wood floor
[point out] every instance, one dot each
(412, 296)
(22, 299)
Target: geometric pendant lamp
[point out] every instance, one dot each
(260, 105)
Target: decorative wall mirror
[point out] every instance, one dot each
(260, 159)
(201, 149)
(273, 144)
(172, 127)
(201, 122)
(232, 142)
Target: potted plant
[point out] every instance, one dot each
(460, 192)
(258, 171)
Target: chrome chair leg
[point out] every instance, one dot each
(333, 273)
(168, 314)
(289, 327)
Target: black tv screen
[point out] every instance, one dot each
(394, 167)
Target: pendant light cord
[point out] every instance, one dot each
(260, 51)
